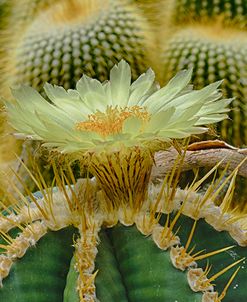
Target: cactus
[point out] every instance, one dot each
(232, 12)
(108, 215)
(23, 12)
(115, 138)
(211, 37)
(133, 263)
(4, 11)
(70, 38)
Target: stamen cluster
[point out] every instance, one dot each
(111, 121)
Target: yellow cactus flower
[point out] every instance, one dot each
(115, 112)
(115, 124)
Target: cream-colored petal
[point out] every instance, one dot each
(181, 133)
(29, 100)
(167, 93)
(70, 102)
(211, 119)
(120, 78)
(140, 89)
(159, 120)
(70, 147)
(107, 88)
(182, 116)
(92, 93)
(190, 99)
(216, 109)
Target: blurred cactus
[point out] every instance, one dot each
(23, 12)
(4, 11)
(70, 38)
(232, 11)
(210, 36)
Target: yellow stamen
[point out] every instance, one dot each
(111, 121)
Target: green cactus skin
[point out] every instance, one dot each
(232, 11)
(50, 261)
(131, 267)
(214, 58)
(146, 272)
(108, 275)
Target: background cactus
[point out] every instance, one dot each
(233, 11)
(4, 10)
(59, 45)
(23, 12)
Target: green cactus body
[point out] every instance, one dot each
(233, 11)
(75, 37)
(130, 268)
(50, 260)
(214, 54)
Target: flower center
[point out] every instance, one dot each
(111, 121)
